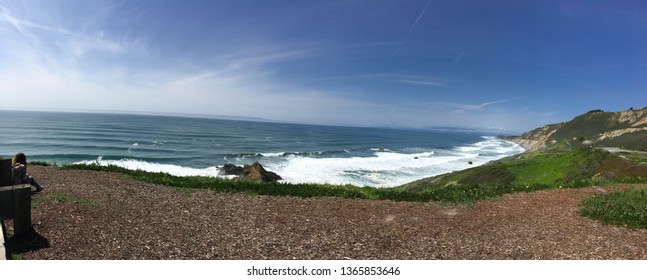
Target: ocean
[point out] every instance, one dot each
(182, 146)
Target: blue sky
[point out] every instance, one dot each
(496, 64)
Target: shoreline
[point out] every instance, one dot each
(527, 145)
(340, 171)
(101, 215)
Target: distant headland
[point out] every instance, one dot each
(596, 128)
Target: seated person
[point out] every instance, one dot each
(19, 173)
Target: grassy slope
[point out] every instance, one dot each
(542, 170)
(539, 168)
(625, 208)
(575, 133)
(628, 208)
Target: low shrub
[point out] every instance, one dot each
(625, 208)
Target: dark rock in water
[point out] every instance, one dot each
(415, 157)
(256, 172)
(230, 169)
(470, 162)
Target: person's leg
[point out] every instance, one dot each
(33, 182)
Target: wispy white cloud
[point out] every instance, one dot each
(24, 26)
(52, 65)
(72, 42)
(44, 63)
(268, 58)
(49, 70)
(78, 45)
(418, 80)
(471, 107)
(423, 83)
(410, 79)
(463, 107)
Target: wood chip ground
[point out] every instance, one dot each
(114, 217)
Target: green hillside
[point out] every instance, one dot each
(625, 129)
(540, 170)
(564, 155)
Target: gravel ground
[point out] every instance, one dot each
(108, 216)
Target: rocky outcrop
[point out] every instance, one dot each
(230, 169)
(256, 172)
(619, 132)
(537, 139)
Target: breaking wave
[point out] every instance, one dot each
(382, 168)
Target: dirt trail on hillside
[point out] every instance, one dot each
(107, 216)
(619, 150)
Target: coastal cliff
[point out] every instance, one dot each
(565, 154)
(625, 129)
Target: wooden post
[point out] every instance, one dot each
(15, 201)
(5, 172)
(6, 203)
(6, 193)
(22, 209)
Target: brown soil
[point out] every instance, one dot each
(118, 218)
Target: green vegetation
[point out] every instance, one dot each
(531, 172)
(261, 188)
(544, 170)
(525, 172)
(641, 158)
(527, 169)
(587, 131)
(42, 163)
(522, 173)
(625, 208)
(458, 194)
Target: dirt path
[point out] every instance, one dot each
(106, 216)
(619, 150)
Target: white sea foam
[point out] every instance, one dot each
(389, 169)
(131, 147)
(382, 169)
(272, 154)
(156, 167)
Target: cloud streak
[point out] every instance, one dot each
(456, 60)
(410, 79)
(424, 83)
(79, 45)
(462, 107)
(472, 107)
(72, 42)
(23, 26)
(413, 26)
(98, 63)
(242, 83)
(268, 57)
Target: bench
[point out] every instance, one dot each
(15, 203)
